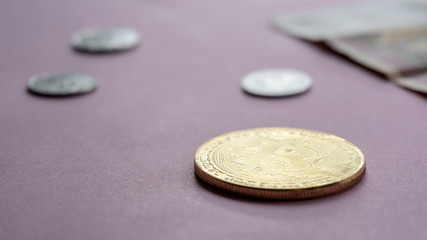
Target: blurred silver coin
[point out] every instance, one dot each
(100, 39)
(276, 82)
(62, 84)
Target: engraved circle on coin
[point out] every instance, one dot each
(280, 163)
(62, 84)
(100, 39)
(276, 82)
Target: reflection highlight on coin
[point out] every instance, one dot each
(101, 39)
(276, 82)
(62, 84)
(280, 163)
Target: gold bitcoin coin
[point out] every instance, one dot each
(280, 163)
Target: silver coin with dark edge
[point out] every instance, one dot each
(276, 82)
(102, 39)
(62, 84)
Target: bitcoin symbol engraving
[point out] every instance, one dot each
(269, 156)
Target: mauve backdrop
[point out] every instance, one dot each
(118, 163)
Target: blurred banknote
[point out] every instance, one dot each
(353, 19)
(391, 53)
(416, 83)
(400, 55)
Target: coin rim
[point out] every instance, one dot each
(281, 194)
(35, 78)
(261, 94)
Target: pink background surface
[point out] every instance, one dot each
(118, 163)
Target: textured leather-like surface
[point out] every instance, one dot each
(118, 163)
